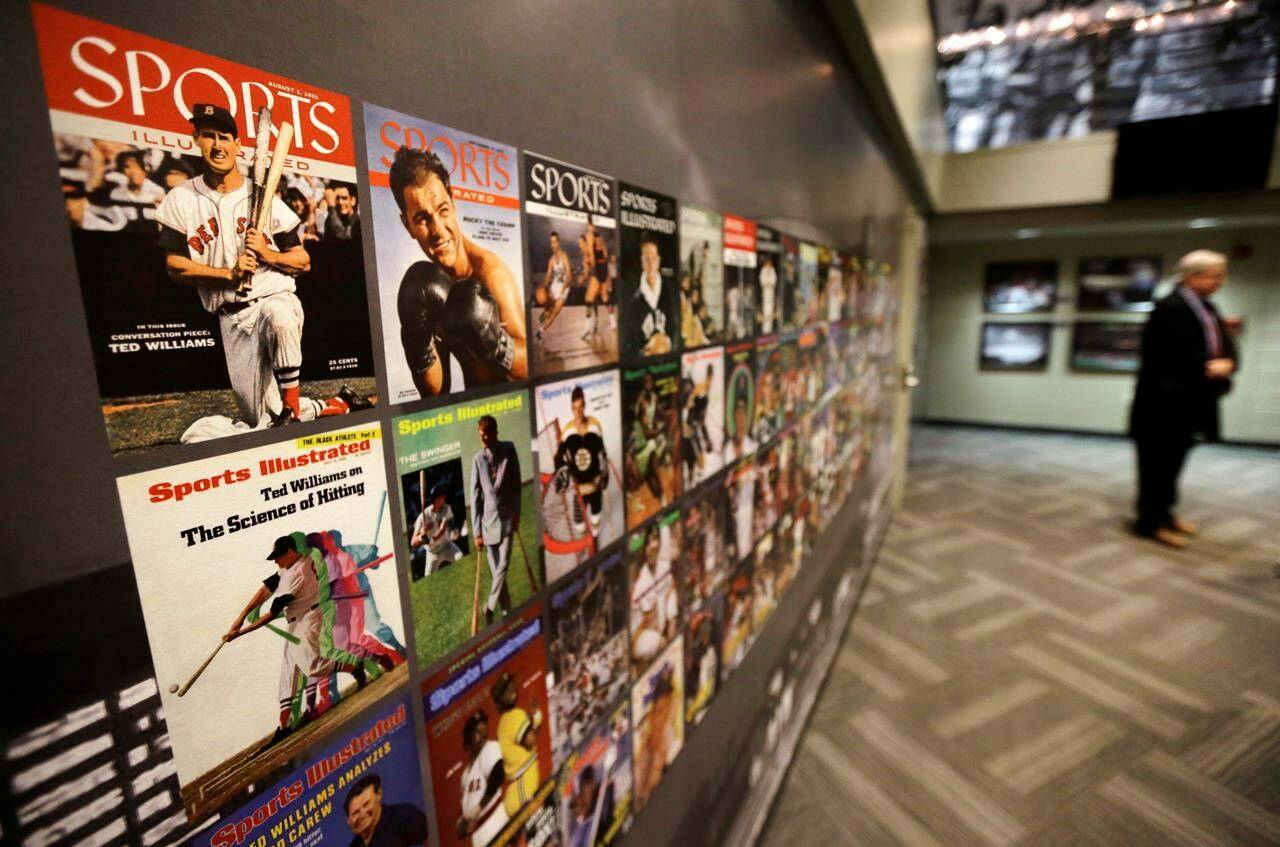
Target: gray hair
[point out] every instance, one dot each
(1198, 261)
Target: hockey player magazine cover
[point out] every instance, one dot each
(651, 420)
(489, 741)
(770, 280)
(701, 414)
(269, 591)
(657, 714)
(470, 517)
(808, 301)
(589, 651)
(446, 228)
(649, 244)
(789, 282)
(572, 237)
(655, 599)
(596, 784)
(701, 277)
(213, 212)
(739, 401)
(740, 290)
(365, 787)
(579, 452)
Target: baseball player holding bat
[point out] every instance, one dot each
(245, 273)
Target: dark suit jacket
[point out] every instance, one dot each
(1173, 396)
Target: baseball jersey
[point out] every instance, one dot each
(521, 763)
(211, 227)
(297, 583)
(475, 778)
(434, 526)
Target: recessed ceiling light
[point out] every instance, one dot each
(1203, 223)
(1028, 232)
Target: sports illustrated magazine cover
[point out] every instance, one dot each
(811, 359)
(741, 294)
(657, 714)
(739, 401)
(701, 414)
(365, 787)
(198, 263)
(651, 420)
(740, 510)
(789, 283)
(655, 598)
(831, 274)
(580, 487)
(837, 350)
(701, 571)
(764, 587)
(738, 617)
(701, 276)
(489, 742)
(471, 563)
(809, 287)
(589, 650)
(769, 416)
(649, 245)
(770, 280)
(271, 611)
(764, 513)
(792, 386)
(572, 236)
(596, 784)
(703, 634)
(446, 226)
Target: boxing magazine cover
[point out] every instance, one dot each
(741, 294)
(271, 612)
(789, 283)
(365, 787)
(769, 415)
(655, 598)
(197, 264)
(739, 400)
(572, 236)
(701, 276)
(650, 252)
(700, 579)
(470, 517)
(771, 280)
(657, 715)
(596, 784)
(808, 302)
(446, 226)
(701, 414)
(580, 487)
(489, 741)
(651, 418)
(589, 651)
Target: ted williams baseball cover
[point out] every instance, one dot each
(741, 297)
(363, 787)
(701, 276)
(771, 279)
(589, 653)
(446, 227)
(701, 414)
(489, 741)
(580, 487)
(572, 236)
(269, 591)
(649, 244)
(739, 401)
(651, 418)
(657, 714)
(652, 553)
(216, 228)
(469, 515)
(596, 784)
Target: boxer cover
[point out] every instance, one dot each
(268, 585)
(221, 295)
(446, 225)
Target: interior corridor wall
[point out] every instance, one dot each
(955, 388)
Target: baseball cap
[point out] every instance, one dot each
(283, 545)
(214, 116)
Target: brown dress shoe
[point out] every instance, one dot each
(1184, 527)
(1169, 538)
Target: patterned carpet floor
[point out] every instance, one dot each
(1023, 671)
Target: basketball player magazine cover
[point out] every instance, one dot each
(269, 591)
(446, 224)
(489, 740)
(216, 229)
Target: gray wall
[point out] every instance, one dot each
(955, 389)
(745, 106)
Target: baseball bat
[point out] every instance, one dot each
(475, 598)
(377, 526)
(533, 583)
(278, 155)
(187, 687)
(261, 145)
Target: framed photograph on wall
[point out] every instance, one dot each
(1020, 287)
(1106, 346)
(1015, 346)
(1117, 285)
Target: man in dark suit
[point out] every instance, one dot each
(1188, 359)
(495, 508)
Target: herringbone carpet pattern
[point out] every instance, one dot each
(1022, 671)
